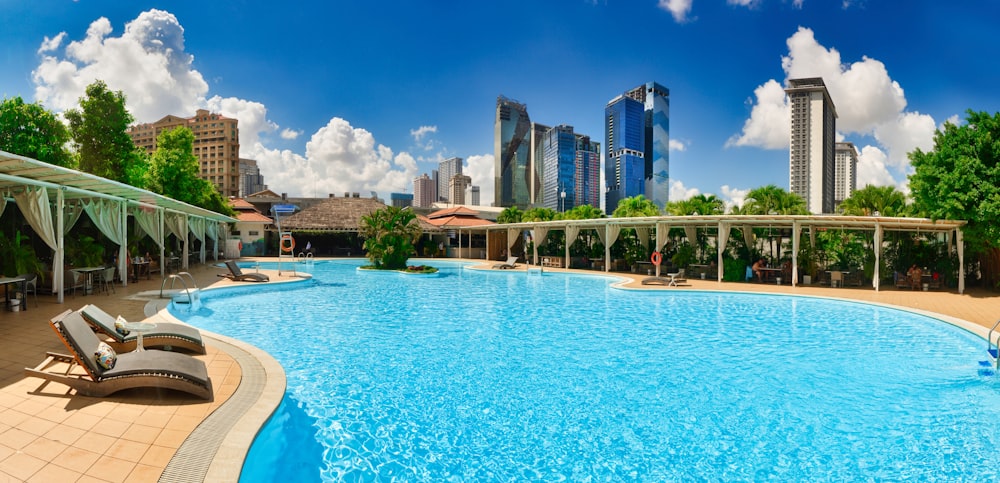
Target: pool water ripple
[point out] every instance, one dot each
(509, 377)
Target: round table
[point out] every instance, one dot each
(139, 328)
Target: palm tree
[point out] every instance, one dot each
(875, 200)
(511, 214)
(389, 235)
(581, 212)
(635, 206)
(539, 214)
(772, 200)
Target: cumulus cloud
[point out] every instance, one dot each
(678, 8)
(868, 103)
(290, 134)
(676, 145)
(252, 116)
(872, 168)
(148, 63)
(733, 196)
(479, 167)
(680, 192)
(51, 44)
(419, 133)
(954, 120)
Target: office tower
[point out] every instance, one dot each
(537, 180)
(559, 168)
(625, 164)
(655, 100)
(436, 179)
(587, 174)
(401, 200)
(845, 172)
(811, 155)
(456, 188)
(251, 181)
(512, 155)
(473, 196)
(446, 169)
(216, 145)
(423, 191)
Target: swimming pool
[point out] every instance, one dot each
(501, 376)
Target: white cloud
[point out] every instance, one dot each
(479, 167)
(770, 122)
(148, 63)
(51, 44)
(290, 134)
(867, 100)
(733, 196)
(954, 120)
(872, 168)
(419, 133)
(676, 145)
(744, 3)
(252, 116)
(678, 8)
(680, 192)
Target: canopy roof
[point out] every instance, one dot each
(17, 171)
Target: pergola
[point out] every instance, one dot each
(608, 230)
(52, 198)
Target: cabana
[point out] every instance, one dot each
(608, 230)
(52, 198)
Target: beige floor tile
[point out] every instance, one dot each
(98, 443)
(21, 466)
(64, 434)
(141, 433)
(157, 456)
(110, 469)
(171, 438)
(52, 473)
(44, 448)
(144, 473)
(127, 450)
(82, 421)
(36, 426)
(110, 427)
(77, 459)
(17, 439)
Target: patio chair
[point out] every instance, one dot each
(511, 263)
(153, 369)
(105, 280)
(30, 285)
(166, 336)
(236, 274)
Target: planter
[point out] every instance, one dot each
(15, 305)
(806, 280)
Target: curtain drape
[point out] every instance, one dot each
(748, 237)
(34, 205)
(197, 226)
(642, 232)
(538, 233)
(71, 214)
(796, 234)
(662, 233)
(176, 224)
(692, 235)
(878, 255)
(511, 240)
(3, 202)
(149, 222)
(106, 216)
(722, 240)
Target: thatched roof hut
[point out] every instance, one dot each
(338, 215)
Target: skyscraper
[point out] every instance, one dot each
(845, 172)
(811, 153)
(446, 169)
(587, 175)
(512, 154)
(624, 166)
(456, 188)
(559, 168)
(656, 151)
(473, 196)
(423, 191)
(251, 181)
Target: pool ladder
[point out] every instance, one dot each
(192, 294)
(993, 346)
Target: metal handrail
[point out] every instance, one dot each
(990, 344)
(178, 276)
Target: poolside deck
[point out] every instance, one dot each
(47, 433)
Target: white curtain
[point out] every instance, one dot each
(642, 232)
(538, 233)
(176, 224)
(610, 236)
(960, 243)
(692, 234)
(34, 204)
(878, 255)
(511, 240)
(106, 216)
(149, 222)
(3, 203)
(197, 226)
(662, 232)
(572, 232)
(748, 237)
(722, 240)
(71, 214)
(212, 231)
(796, 234)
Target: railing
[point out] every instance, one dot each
(993, 347)
(187, 290)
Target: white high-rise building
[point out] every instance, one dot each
(446, 169)
(423, 191)
(845, 172)
(456, 188)
(811, 153)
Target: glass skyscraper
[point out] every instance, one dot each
(588, 173)
(512, 155)
(653, 100)
(559, 168)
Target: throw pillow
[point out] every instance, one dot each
(105, 356)
(120, 326)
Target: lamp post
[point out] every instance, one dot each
(562, 201)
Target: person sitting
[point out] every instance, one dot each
(757, 266)
(916, 275)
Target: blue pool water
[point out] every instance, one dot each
(504, 376)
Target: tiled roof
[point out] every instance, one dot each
(252, 216)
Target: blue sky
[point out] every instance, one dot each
(364, 96)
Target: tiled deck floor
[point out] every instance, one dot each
(47, 433)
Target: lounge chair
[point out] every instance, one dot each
(511, 263)
(237, 275)
(155, 369)
(670, 280)
(166, 336)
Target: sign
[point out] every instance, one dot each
(283, 209)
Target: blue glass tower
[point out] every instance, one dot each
(559, 168)
(654, 102)
(625, 164)
(512, 154)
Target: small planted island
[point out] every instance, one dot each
(390, 235)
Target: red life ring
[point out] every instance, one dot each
(291, 243)
(656, 258)
(241, 246)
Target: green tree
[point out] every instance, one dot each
(100, 134)
(771, 199)
(884, 200)
(173, 172)
(959, 179)
(511, 214)
(697, 205)
(539, 214)
(636, 206)
(582, 212)
(389, 235)
(33, 131)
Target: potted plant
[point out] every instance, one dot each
(19, 256)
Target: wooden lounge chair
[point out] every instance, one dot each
(670, 280)
(511, 263)
(155, 369)
(236, 274)
(166, 335)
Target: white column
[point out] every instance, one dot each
(60, 257)
(960, 243)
